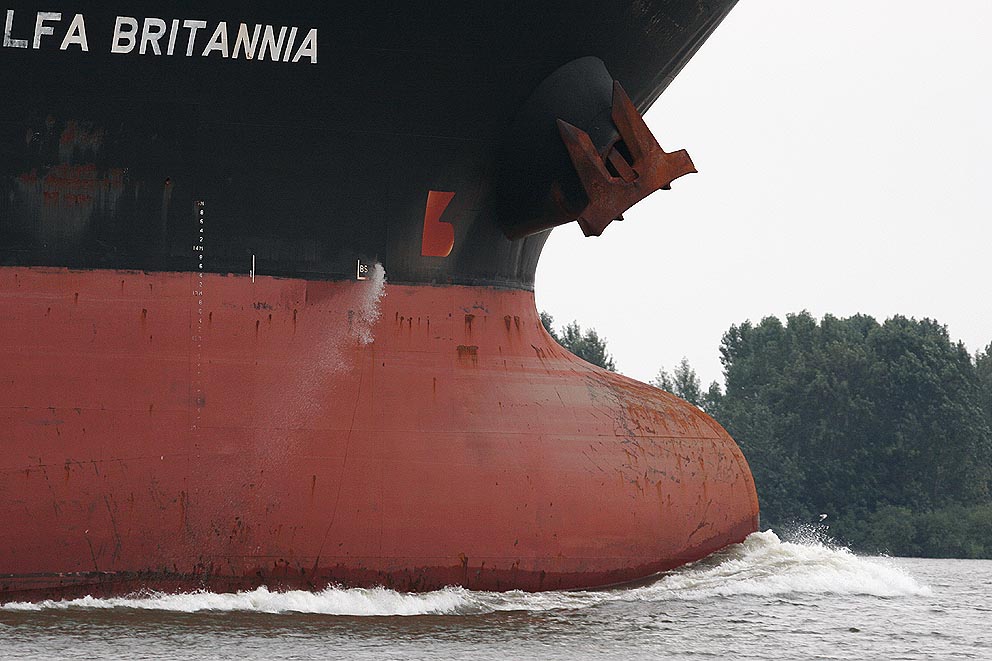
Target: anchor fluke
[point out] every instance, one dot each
(579, 150)
(645, 167)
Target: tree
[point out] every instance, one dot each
(687, 384)
(664, 381)
(712, 398)
(549, 325)
(683, 383)
(588, 345)
(847, 416)
(983, 368)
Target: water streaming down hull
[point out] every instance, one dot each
(210, 384)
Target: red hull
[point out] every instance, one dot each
(287, 437)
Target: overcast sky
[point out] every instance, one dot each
(844, 151)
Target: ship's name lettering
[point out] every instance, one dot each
(159, 36)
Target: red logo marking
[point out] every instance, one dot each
(439, 236)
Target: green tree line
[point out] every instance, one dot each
(886, 428)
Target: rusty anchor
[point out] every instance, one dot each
(639, 165)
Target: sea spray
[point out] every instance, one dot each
(762, 566)
(332, 601)
(369, 307)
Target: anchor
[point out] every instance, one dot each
(628, 170)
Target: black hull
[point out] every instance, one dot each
(306, 167)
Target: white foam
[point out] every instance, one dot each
(332, 601)
(762, 566)
(765, 565)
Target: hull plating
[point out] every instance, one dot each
(158, 432)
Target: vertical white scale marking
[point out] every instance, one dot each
(198, 249)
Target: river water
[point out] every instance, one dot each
(763, 599)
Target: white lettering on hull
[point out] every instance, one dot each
(153, 31)
(218, 42)
(40, 29)
(125, 35)
(76, 34)
(157, 36)
(9, 42)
